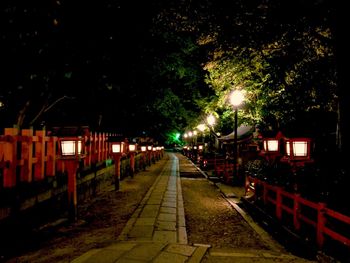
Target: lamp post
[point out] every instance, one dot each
(144, 153)
(236, 99)
(149, 151)
(118, 148)
(71, 152)
(132, 150)
(211, 121)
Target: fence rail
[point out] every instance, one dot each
(325, 220)
(27, 155)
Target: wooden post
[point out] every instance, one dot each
(71, 166)
(264, 192)
(40, 155)
(99, 152)
(321, 221)
(10, 156)
(279, 200)
(296, 212)
(51, 156)
(132, 164)
(27, 155)
(117, 170)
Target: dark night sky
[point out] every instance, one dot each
(94, 52)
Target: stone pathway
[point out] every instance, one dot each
(156, 232)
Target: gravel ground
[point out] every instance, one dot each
(211, 220)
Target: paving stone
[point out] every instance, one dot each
(182, 235)
(180, 211)
(145, 221)
(141, 231)
(167, 210)
(154, 201)
(169, 204)
(145, 251)
(163, 225)
(185, 250)
(165, 236)
(181, 221)
(86, 256)
(122, 246)
(166, 257)
(168, 199)
(150, 211)
(198, 254)
(105, 256)
(167, 217)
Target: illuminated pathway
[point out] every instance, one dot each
(156, 232)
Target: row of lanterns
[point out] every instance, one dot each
(71, 151)
(72, 147)
(296, 150)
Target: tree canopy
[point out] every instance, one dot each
(112, 65)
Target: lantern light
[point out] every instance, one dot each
(149, 147)
(200, 147)
(132, 147)
(298, 148)
(271, 145)
(117, 147)
(143, 148)
(71, 147)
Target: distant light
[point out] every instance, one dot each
(211, 120)
(201, 127)
(2, 104)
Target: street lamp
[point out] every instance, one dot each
(70, 149)
(144, 153)
(149, 151)
(132, 150)
(118, 148)
(236, 99)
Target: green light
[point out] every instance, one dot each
(177, 136)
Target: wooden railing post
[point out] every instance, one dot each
(279, 203)
(27, 155)
(51, 156)
(296, 212)
(265, 191)
(10, 157)
(40, 155)
(321, 221)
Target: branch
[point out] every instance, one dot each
(45, 109)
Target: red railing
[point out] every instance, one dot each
(221, 167)
(27, 155)
(276, 196)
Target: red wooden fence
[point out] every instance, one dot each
(27, 155)
(321, 221)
